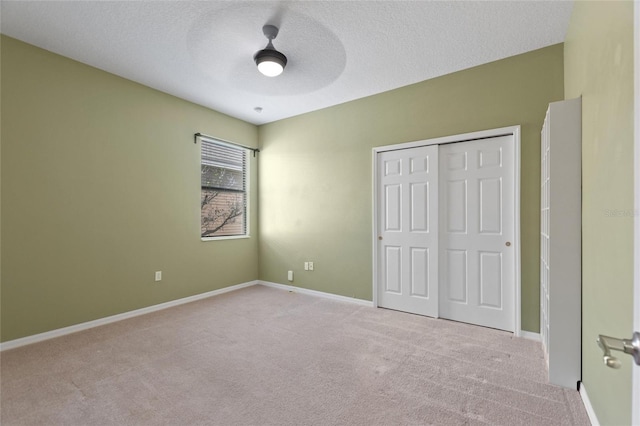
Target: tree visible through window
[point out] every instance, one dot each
(223, 196)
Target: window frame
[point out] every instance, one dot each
(247, 189)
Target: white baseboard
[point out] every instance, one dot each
(587, 405)
(317, 293)
(529, 335)
(12, 344)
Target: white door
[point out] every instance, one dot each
(477, 214)
(407, 230)
(635, 409)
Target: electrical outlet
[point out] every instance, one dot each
(311, 266)
(158, 275)
(290, 275)
(306, 266)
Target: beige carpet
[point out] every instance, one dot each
(266, 356)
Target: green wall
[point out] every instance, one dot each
(100, 184)
(316, 178)
(100, 188)
(599, 66)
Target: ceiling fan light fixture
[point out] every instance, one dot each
(270, 62)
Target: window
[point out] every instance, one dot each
(223, 195)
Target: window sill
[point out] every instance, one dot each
(230, 237)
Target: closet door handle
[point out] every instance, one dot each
(508, 244)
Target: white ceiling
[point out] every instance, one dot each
(338, 51)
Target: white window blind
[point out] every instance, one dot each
(223, 197)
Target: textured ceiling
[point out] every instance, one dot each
(338, 51)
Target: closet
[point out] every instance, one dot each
(446, 230)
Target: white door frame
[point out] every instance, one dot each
(635, 394)
(503, 131)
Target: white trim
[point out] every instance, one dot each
(464, 137)
(529, 335)
(635, 392)
(587, 405)
(374, 225)
(517, 245)
(317, 293)
(12, 344)
(483, 134)
(228, 237)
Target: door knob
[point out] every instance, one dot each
(628, 346)
(380, 237)
(508, 244)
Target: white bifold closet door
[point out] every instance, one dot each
(446, 225)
